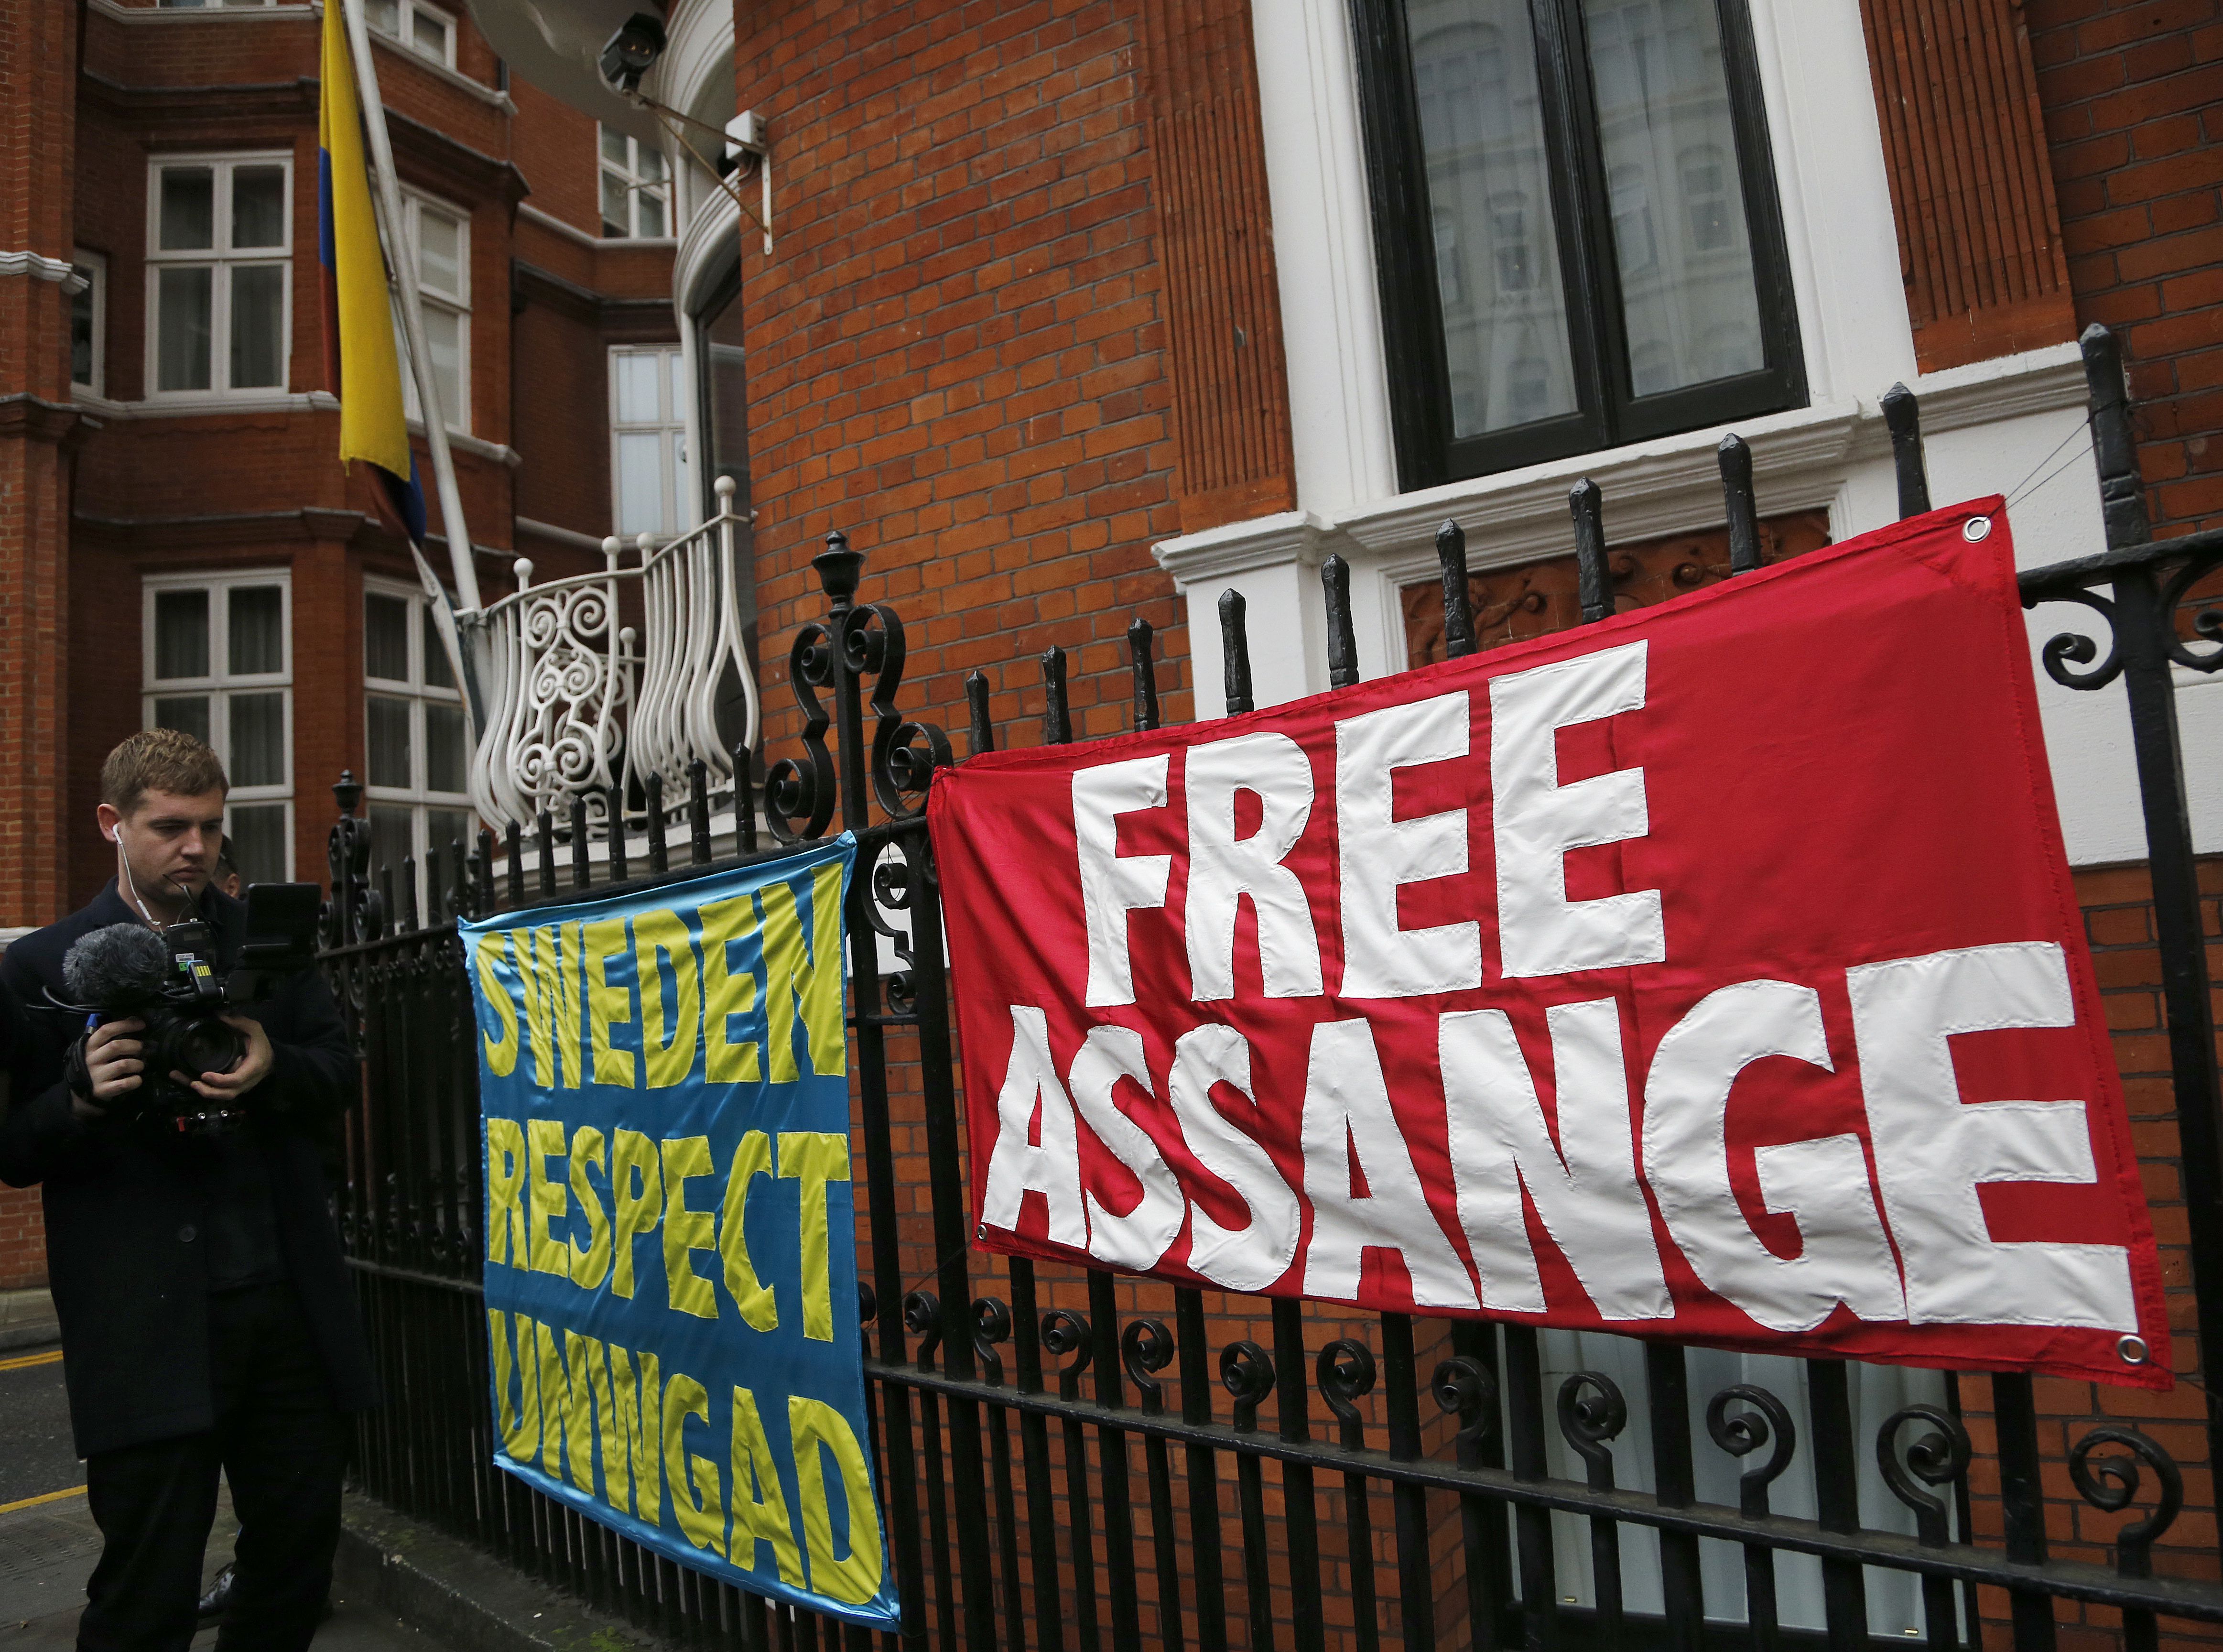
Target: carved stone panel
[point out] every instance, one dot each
(1536, 598)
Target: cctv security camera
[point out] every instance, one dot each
(631, 51)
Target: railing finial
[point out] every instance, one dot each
(1586, 503)
(840, 567)
(1902, 417)
(1235, 650)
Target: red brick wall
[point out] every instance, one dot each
(22, 1238)
(958, 355)
(2133, 96)
(2118, 905)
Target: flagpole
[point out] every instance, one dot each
(387, 201)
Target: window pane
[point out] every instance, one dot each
(393, 839)
(389, 742)
(258, 206)
(186, 713)
(257, 642)
(258, 739)
(616, 214)
(257, 835)
(181, 634)
(440, 252)
(385, 15)
(446, 763)
(637, 374)
(1481, 131)
(613, 148)
(1686, 276)
(258, 314)
(443, 829)
(386, 637)
(640, 484)
(437, 673)
(652, 165)
(81, 334)
(184, 304)
(443, 332)
(648, 209)
(188, 209)
(429, 35)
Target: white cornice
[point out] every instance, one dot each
(218, 407)
(527, 210)
(1294, 536)
(477, 447)
(549, 221)
(1652, 489)
(40, 268)
(123, 14)
(208, 407)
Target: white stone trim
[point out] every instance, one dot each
(123, 14)
(40, 268)
(572, 231)
(1324, 253)
(174, 406)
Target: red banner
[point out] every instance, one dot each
(1711, 973)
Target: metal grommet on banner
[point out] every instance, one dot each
(1975, 529)
(2132, 1349)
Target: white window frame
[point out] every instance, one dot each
(414, 204)
(636, 186)
(418, 797)
(221, 683)
(214, 5)
(94, 266)
(404, 29)
(224, 262)
(675, 472)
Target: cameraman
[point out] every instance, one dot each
(207, 1319)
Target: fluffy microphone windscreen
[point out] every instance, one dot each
(114, 965)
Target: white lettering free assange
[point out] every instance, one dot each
(1625, 1141)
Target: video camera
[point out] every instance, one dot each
(169, 981)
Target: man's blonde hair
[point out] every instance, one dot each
(158, 759)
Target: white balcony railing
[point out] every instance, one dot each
(579, 704)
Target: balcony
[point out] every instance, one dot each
(596, 685)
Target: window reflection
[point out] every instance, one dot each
(1689, 300)
(1505, 328)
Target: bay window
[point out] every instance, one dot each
(416, 749)
(219, 240)
(218, 666)
(440, 241)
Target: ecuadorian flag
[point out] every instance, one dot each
(360, 363)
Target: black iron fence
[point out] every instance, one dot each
(1071, 1460)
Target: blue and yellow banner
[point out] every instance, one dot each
(672, 1263)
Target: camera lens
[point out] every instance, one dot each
(204, 1044)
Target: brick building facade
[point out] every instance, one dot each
(180, 543)
(1077, 309)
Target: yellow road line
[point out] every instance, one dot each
(46, 1358)
(48, 1496)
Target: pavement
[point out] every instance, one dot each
(26, 1320)
(48, 1543)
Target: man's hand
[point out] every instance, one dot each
(112, 1063)
(226, 1088)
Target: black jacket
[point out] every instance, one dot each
(127, 1203)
